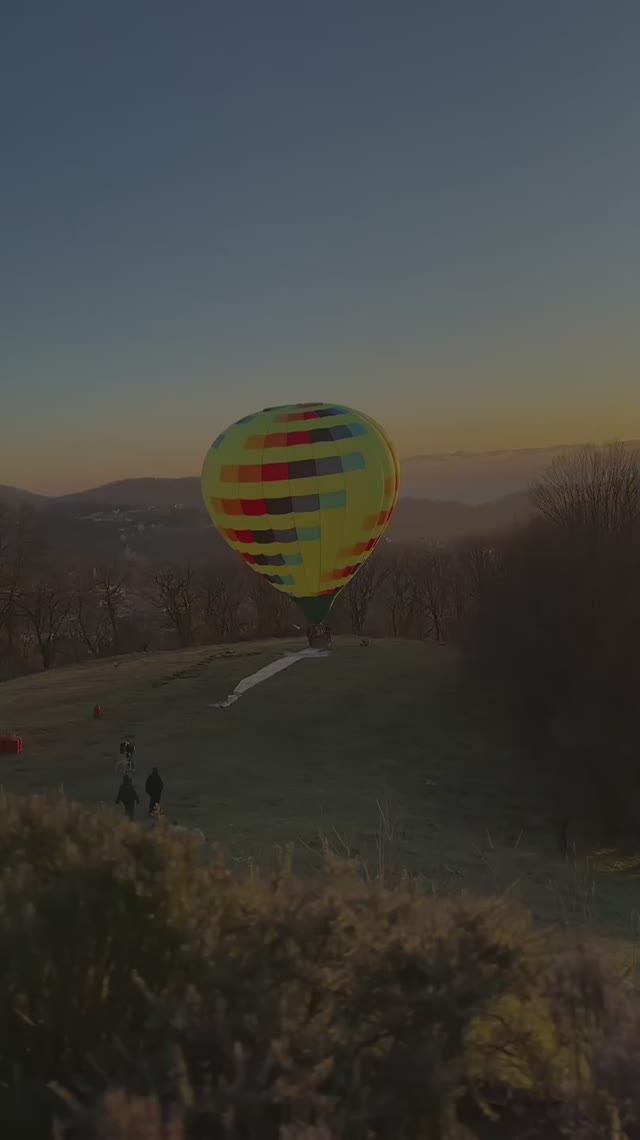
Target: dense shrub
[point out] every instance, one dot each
(554, 625)
(86, 910)
(145, 995)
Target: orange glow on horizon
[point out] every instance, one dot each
(64, 473)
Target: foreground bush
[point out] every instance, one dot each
(145, 996)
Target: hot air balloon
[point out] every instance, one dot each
(303, 493)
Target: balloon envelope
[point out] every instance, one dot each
(302, 493)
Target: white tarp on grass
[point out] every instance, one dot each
(266, 672)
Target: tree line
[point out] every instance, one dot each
(54, 613)
(554, 628)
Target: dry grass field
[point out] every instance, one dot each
(381, 751)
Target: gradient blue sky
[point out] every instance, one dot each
(428, 210)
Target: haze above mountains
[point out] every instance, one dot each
(467, 477)
(444, 497)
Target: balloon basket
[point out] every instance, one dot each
(319, 637)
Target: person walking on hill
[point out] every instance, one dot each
(153, 788)
(129, 754)
(127, 761)
(128, 797)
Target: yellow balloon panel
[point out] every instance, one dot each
(302, 493)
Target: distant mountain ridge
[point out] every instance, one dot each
(15, 496)
(447, 521)
(145, 492)
(469, 478)
(146, 514)
(416, 516)
(443, 498)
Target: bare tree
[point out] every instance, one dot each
(272, 607)
(433, 570)
(6, 562)
(89, 618)
(400, 592)
(47, 606)
(175, 594)
(594, 490)
(363, 587)
(223, 588)
(22, 549)
(473, 557)
(111, 581)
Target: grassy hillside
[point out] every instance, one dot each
(382, 751)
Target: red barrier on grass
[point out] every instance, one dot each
(10, 744)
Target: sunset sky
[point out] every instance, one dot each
(428, 210)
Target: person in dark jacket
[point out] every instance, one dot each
(128, 797)
(130, 758)
(153, 788)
